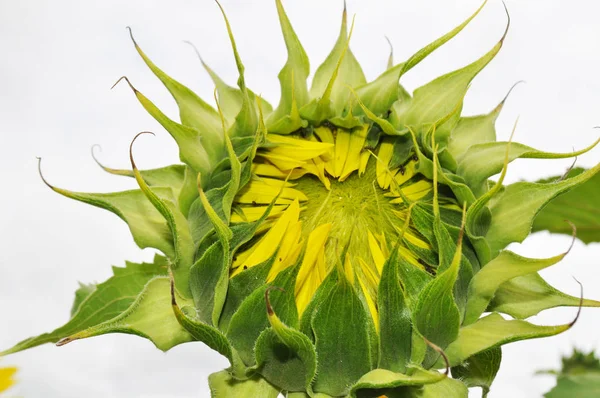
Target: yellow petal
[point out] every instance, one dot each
(376, 253)
(357, 141)
(252, 213)
(384, 174)
(283, 162)
(342, 146)
(364, 160)
(266, 246)
(6, 378)
(313, 266)
(288, 251)
(371, 304)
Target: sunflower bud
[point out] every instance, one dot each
(344, 243)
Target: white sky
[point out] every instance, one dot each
(59, 60)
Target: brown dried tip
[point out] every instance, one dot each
(40, 173)
(573, 235)
(580, 304)
(128, 82)
(269, 308)
(64, 341)
(131, 147)
(173, 299)
(571, 167)
(439, 350)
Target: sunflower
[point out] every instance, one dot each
(6, 378)
(344, 243)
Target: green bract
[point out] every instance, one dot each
(345, 243)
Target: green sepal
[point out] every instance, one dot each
(317, 299)
(292, 78)
(479, 370)
(201, 128)
(223, 385)
(506, 266)
(493, 331)
(379, 95)
(578, 206)
(149, 316)
(250, 320)
(206, 277)
(169, 176)
(447, 388)
(284, 356)
(438, 99)
(232, 98)
(240, 287)
(514, 209)
(436, 315)
(473, 130)
(386, 380)
(246, 121)
(413, 280)
(528, 295)
(340, 66)
(200, 157)
(482, 161)
(183, 256)
(395, 324)
(210, 336)
(343, 346)
(402, 151)
(189, 191)
(112, 297)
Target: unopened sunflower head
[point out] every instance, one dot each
(344, 243)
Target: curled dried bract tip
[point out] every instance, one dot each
(580, 303)
(269, 308)
(571, 167)
(131, 147)
(172, 280)
(507, 23)
(127, 80)
(573, 235)
(40, 172)
(439, 350)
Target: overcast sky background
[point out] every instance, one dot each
(60, 58)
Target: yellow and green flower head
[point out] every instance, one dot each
(345, 243)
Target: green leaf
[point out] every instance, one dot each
(395, 328)
(493, 331)
(341, 328)
(379, 95)
(479, 370)
(349, 72)
(382, 379)
(111, 299)
(223, 385)
(578, 206)
(503, 268)
(514, 209)
(149, 316)
(585, 385)
(81, 294)
(527, 295)
(292, 78)
(482, 161)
